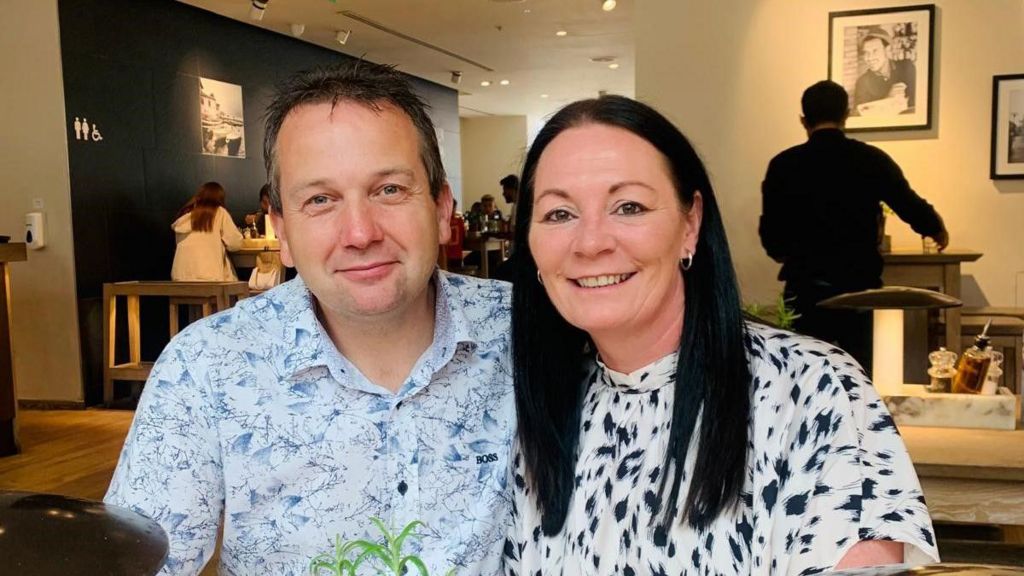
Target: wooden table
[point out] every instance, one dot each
(483, 245)
(936, 271)
(8, 397)
(251, 249)
(969, 475)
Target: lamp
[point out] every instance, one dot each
(608, 5)
(50, 534)
(888, 304)
(257, 9)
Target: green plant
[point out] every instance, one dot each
(781, 315)
(382, 557)
(784, 314)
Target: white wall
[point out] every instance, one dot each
(492, 148)
(34, 164)
(730, 74)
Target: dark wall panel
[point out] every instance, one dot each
(133, 68)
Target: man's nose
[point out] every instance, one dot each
(359, 226)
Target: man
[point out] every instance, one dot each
(821, 217)
(259, 218)
(884, 78)
(510, 192)
(372, 385)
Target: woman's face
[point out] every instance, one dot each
(607, 231)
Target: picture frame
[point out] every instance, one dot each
(1007, 127)
(883, 58)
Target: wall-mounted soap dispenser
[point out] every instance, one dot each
(35, 230)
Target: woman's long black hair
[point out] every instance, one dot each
(712, 375)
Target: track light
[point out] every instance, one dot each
(257, 9)
(608, 5)
(342, 36)
(456, 76)
(298, 29)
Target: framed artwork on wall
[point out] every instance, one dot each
(222, 118)
(1008, 127)
(883, 57)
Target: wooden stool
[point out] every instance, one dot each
(197, 308)
(1005, 335)
(209, 296)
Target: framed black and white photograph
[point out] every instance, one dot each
(222, 118)
(1008, 127)
(883, 57)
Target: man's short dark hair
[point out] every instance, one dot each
(825, 101)
(265, 192)
(361, 82)
(510, 181)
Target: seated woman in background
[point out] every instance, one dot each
(659, 433)
(205, 233)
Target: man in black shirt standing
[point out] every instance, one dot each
(821, 214)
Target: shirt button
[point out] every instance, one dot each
(402, 487)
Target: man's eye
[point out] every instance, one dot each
(557, 215)
(390, 190)
(630, 209)
(318, 200)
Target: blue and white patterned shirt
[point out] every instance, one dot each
(254, 413)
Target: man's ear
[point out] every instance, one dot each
(282, 236)
(444, 207)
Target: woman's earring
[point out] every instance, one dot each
(687, 262)
(539, 279)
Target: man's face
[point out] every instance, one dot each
(358, 221)
(487, 206)
(265, 204)
(509, 194)
(875, 55)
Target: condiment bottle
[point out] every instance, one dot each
(970, 374)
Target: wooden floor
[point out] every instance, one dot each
(74, 452)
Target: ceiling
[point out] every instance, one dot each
(514, 38)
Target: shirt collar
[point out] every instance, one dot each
(655, 375)
(312, 347)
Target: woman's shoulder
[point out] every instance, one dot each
(803, 374)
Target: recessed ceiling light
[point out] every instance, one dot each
(527, 11)
(614, 65)
(608, 5)
(543, 95)
(485, 83)
(561, 33)
(504, 82)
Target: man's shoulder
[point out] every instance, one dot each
(252, 320)
(479, 294)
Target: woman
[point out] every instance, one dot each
(203, 230)
(659, 433)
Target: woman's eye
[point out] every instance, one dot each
(557, 215)
(630, 209)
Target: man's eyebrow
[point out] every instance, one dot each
(396, 172)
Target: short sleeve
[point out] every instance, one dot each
(852, 478)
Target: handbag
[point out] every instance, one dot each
(267, 272)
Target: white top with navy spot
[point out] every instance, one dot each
(826, 468)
